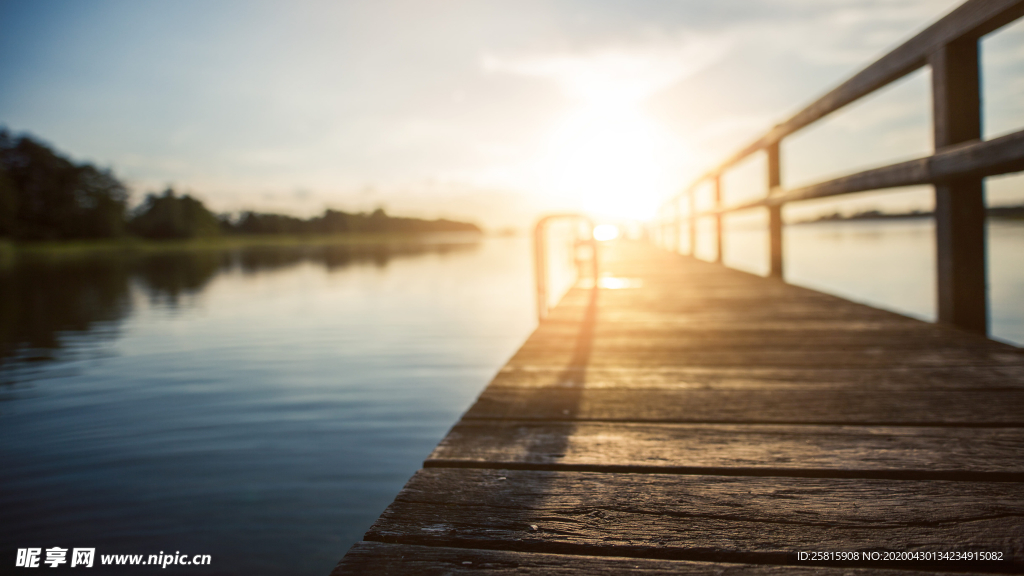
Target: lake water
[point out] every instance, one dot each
(264, 406)
(888, 264)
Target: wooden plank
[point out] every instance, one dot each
(736, 297)
(606, 337)
(702, 518)
(650, 323)
(728, 308)
(614, 336)
(758, 377)
(534, 353)
(724, 340)
(823, 451)
(717, 300)
(382, 558)
(976, 407)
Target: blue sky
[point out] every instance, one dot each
(482, 110)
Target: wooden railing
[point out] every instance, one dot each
(582, 235)
(957, 168)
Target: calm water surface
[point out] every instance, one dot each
(264, 406)
(888, 264)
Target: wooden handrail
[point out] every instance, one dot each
(971, 20)
(961, 161)
(1002, 155)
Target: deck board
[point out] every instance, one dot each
(747, 377)
(941, 452)
(380, 558)
(709, 420)
(696, 517)
(757, 405)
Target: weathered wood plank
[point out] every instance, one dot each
(722, 316)
(767, 356)
(757, 377)
(728, 341)
(846, 451)
(706, 518)
(648, 324)
(683, 326)
(665, 313)
(800, 329)
(381, 558)
(978, 407)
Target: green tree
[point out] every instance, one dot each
(53, 198)
(8, 204)
(168, 216)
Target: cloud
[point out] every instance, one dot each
(848, 34)
(623, 72)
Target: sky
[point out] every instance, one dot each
(486, 111)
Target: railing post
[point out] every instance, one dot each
(716, 183)
(774, 214)
(959, 203)
(541, 261)
(540, 268)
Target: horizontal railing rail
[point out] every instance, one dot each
(540, 254)
(957, 168)
(979, 158)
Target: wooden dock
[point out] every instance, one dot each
(705, 420)
(701, 419)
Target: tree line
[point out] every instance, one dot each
(46, 196)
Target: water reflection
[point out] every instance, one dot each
(260, 405)
(48, 300)
(43, 301)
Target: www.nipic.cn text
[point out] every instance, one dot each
(86, 557)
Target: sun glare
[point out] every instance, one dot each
(605, 232)
(607, 154)
(611, 159)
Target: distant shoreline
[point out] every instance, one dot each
(997, 212)
(133, 245)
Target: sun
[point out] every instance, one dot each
(610, 158)
(606, 232)
(607, 154)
